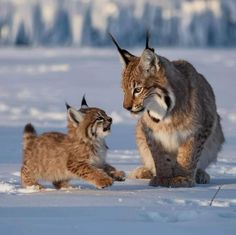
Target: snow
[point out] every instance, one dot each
(126, 207)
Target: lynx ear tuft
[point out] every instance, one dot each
(147, 42)
(67, 105)
(84, 104)
(125, 56)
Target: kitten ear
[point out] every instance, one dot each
(67, 105)
(125, 56)
(149, 62)
(74, 115)
(84, 104)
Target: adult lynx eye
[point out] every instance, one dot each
(138, 90)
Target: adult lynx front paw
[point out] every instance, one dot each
(118, 175)
(175, 182)
(141, 173)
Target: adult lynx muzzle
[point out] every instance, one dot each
(179, 132)
(79, 154)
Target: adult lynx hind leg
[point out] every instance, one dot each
(148, 170)
(209, 153)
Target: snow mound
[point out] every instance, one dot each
(6, 188)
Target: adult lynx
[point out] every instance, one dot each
(58, 157)
(179, 133)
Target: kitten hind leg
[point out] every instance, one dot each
(27, 180)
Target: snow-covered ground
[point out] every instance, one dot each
(35, 83)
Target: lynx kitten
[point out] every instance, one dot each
(79, 154)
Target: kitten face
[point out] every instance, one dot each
(93, 122)
(98, 122)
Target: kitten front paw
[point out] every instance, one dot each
(36, 187)
(104, 182)
(175, 182)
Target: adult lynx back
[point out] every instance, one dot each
(179, 132)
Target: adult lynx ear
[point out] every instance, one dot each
(149, 62)
(125, 56)
(75, 116)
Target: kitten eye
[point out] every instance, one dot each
(99, 119)
(138, 90)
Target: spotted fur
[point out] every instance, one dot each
(179, 132)
(81, 153)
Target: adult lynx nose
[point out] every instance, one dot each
(128, 107)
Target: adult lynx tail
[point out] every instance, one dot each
(29, 133)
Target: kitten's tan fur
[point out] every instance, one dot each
(179, 133)
(80, 154)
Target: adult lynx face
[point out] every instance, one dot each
(145, 84)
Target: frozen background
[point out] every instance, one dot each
(86, 22)
(56, 51)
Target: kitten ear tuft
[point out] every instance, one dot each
(67, 105)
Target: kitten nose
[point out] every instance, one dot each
(109, 119)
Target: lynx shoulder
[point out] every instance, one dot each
(79, 154)
(179, 132)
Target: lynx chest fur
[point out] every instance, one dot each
(170, 140)
(100, 152)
